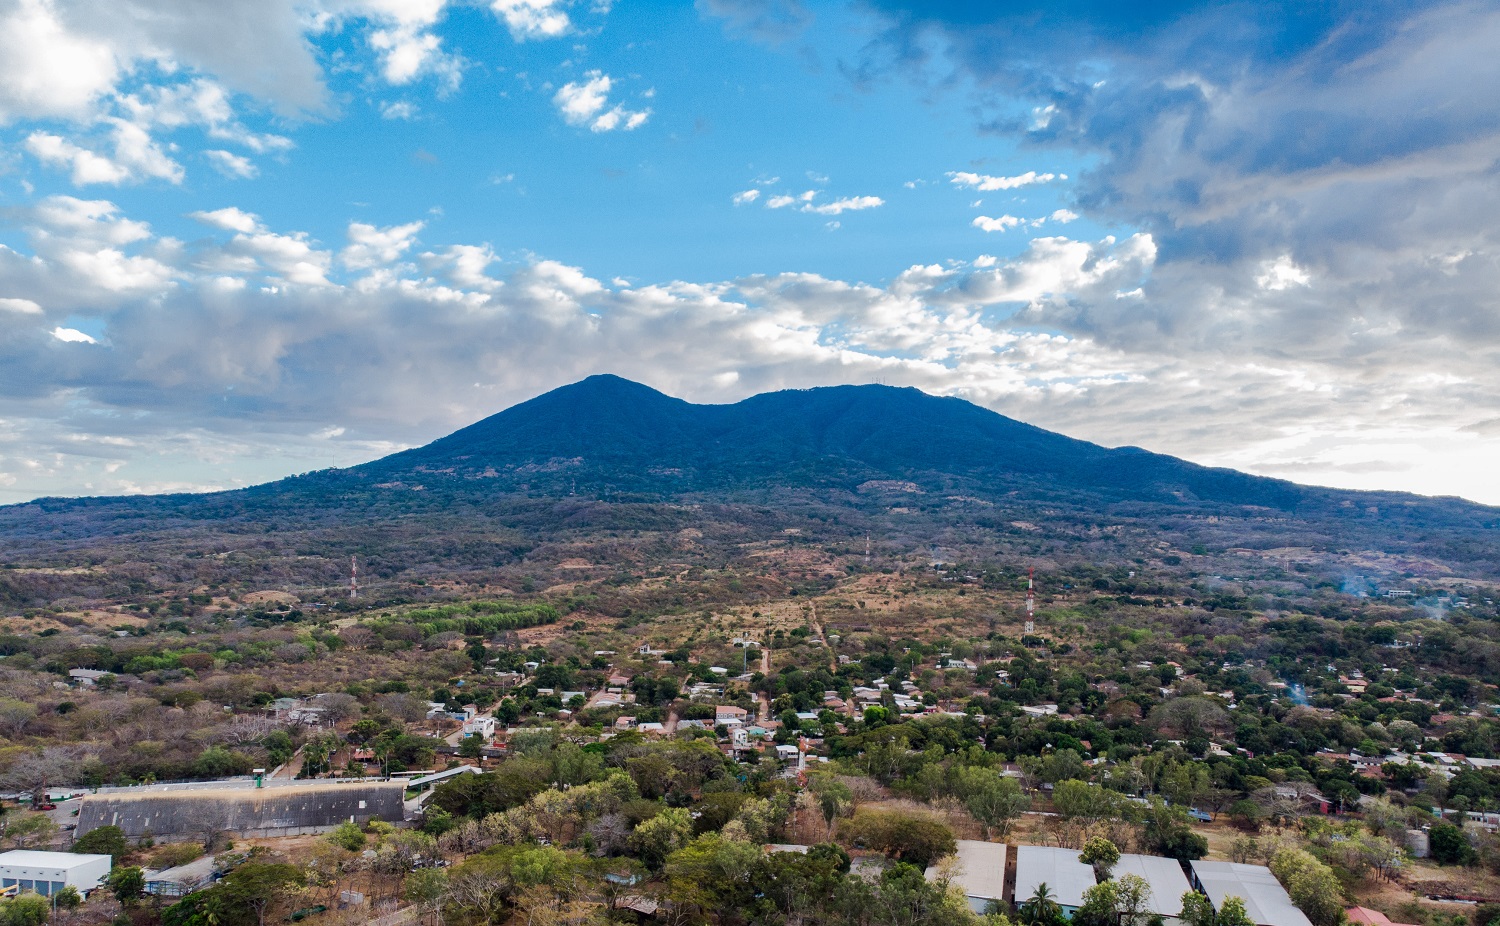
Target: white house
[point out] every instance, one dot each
(484, 727)
(46, 873)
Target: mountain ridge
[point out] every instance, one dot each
(607, 457)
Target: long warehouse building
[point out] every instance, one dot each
(1065, 876)
(189, 812)
(1165, 878)
(1266, 901)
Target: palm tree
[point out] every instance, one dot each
(1041, 909)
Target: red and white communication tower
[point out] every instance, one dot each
(1031, 600)
(353, 577)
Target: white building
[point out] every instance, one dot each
(1165, 878)
(483, 727)
(46, 873)
(1266, 901)
(1065, 876)
(980, 872)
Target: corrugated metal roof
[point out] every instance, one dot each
(1065, 876)
(1165, 876)
(981, 869)
(1266, 901)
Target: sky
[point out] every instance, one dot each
(252, 238)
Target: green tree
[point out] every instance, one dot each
(103, 840)
(660, 836)
(1041, 908)
(428, 889)
(992, 799)
(915, 839)
(1449, 846)
(1101, 854)
(347, 835)
(1125, 902)
(1313, 886)
(712, 874)
(127, 884)
(1198, 910)
(68, 898)
(26, 910)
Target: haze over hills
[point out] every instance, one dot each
(607, 457)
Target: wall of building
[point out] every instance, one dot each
(274, 811)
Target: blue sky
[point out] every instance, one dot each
(264, 236)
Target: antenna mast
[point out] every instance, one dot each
(1031, 599)
(353, 578)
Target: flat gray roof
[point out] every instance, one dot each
(1266, 901)
(1065, 876)
(981, 869)
(1165, 876)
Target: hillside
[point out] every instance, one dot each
(605, 459)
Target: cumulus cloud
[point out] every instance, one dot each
(72, 336)
(587, 103)
(747, 196)
(847, 204)
(988, 183)
(232, 165)
(1307, 189)
(371, 247)
(1003, 223)
(230, 218)
(396, 348)
(533, 19)
(805, 202)
(20, 306)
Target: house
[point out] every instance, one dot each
(46, 873)
(1065, 876)
(87, 678)
(624, 723)
(980, 873)
(724, 712)
(483, 727)
(1364, 916)
(1039, 710)
(1266, 901)
(654, 729)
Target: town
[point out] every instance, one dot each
(907, 743)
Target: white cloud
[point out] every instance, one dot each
(989, 183)
(1282, 273)
(847, 204)
(804, 202)
(136, 156)
(87, 167)
(748, 196)
(583, 103)
(371, 247)
(72, 336)
(46, 70)
(230, 218)
(1000, 224)
(1063, 216)
(400, 109)
(232, 165)
(19, 306)
(292, 257)
(533, 19)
